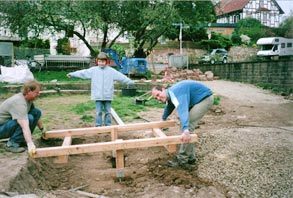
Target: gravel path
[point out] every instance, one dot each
(253, 162)
(244, 92)
(249, 161)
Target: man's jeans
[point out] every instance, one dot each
(99, 113)
(12, 130)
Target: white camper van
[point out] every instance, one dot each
(275, 47)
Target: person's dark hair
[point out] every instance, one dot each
(30, 86)
(158, 87)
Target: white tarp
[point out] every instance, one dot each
(16, 74)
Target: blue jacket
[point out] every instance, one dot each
(102, 81)
(183, 96)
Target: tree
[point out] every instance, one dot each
(192, 14)
(286, 27)
(35, 43)
(147, 21)
(250, 27)
(143, 21)
(36, 17)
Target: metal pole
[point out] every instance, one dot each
(180, 38)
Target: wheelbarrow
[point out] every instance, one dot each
(140, 100)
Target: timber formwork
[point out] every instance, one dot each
(116, 145)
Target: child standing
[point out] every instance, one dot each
(102, 86)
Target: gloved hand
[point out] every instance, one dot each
(31, 148)
(43, 130)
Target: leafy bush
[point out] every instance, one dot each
(120, 50)
(63, 46)
(35, 43)
(216, 41)
(250, 27)
(25, 53)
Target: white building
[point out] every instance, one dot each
(268, 12)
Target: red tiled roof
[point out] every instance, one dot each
(227, 6)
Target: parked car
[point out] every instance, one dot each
(213, 56)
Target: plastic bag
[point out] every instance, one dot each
(16, 74)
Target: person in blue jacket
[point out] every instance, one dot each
(192, 100)
(102, 86)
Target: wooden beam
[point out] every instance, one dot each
(159, 133)
(106, 129)
(116, 117)
(64, 158)
(108, 146)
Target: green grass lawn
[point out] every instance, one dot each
(60, 76)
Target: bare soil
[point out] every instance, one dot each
(244, 150)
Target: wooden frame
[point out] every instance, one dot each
(117, 146)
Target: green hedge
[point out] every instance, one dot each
(24, 53)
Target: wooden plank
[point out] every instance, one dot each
(4, 140)
(64, 158)
(107, 129)
(108, 146)
(159, 133)
(116, 117)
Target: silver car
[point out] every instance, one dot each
(218, 55)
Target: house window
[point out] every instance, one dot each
(261, 3)
(237, 18)
(289, 45)
(283, 45)
(265, 19)
(234, 18)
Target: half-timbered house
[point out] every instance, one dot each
(268, 12)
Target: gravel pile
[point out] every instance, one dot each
(254, 162)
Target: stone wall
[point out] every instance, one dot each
(236, 54)
(240, 54)
(275, 75)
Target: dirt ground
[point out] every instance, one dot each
(244, 150)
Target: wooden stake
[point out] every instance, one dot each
(64, 158)
(120, 164)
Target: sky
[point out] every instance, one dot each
(286, 6)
